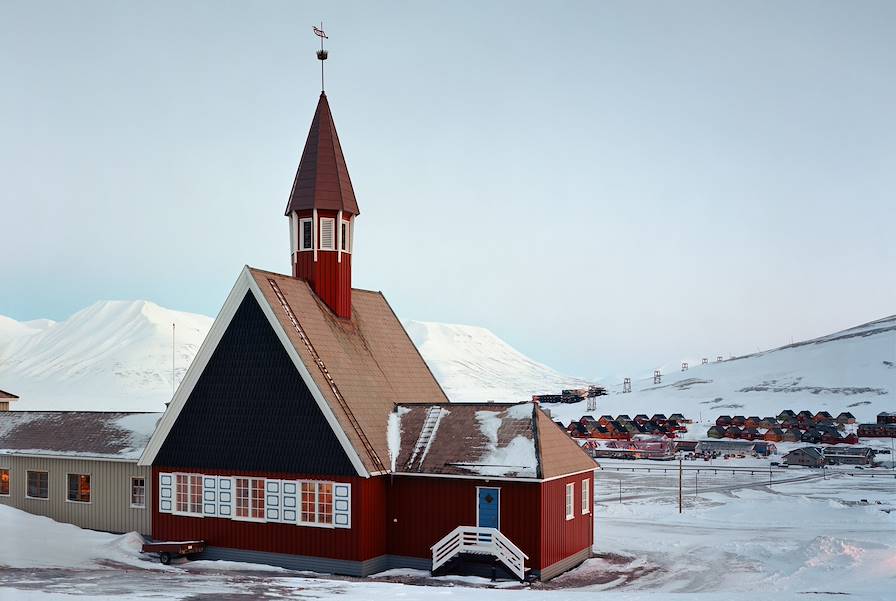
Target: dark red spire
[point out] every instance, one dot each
(322, 181)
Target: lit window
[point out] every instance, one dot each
(4, 482)
(327, 233)
(188, 498)
(305, 233)
(79, 488)
(309, 502)
(346, 237)
(317, 502)
(570, 493)
(138, 492)
(250, 498)
(325, 503)
(38, 485)
(586, 500)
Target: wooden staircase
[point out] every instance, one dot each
(480, 541)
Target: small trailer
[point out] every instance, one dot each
(171, 550)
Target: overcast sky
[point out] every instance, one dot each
(608, 186)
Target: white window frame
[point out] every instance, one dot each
(317, 523)
(67, 500)
(174, 490)
(570, 498)
(346, 237)
(133, 506)
(250, 498)
(586, 502)
(303, 247)
(9, 481)
(27, 496)
(332, 223)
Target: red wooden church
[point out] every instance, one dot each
(309, 432)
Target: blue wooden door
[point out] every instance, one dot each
(489, 507)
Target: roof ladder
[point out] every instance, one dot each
(365, 442)
(430, 425)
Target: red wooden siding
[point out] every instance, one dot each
(330, 278)
(426, 509)
(364, 540)
(561, 537)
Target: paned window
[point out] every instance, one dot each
(305, 234)
(4, 482)
(138, 492)
(78, 488)
(317, 502)
(188, 498)
(586, 497)
(250, 498)
(346, 237)
(38, 485)
(570, 495)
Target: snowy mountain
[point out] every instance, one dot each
(113, 355)
(851, 370)
(116, 355)
(472, 364)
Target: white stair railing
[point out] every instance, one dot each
(486, 541)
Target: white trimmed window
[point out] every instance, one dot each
(188, 494)
(570, 496)
(346, 236)
(78, 488)
(317, 503)
(306, 234)
(138, 493)
(38, 485)
(586, 497)
(249, 499)
(4, 482)
(327, 233)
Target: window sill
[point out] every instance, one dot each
(77, 502)
(37, 498)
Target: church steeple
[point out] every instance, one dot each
(322, 210)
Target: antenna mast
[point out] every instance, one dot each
(173, 378)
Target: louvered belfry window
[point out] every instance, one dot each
(327, 234)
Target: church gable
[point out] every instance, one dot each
(250, 409)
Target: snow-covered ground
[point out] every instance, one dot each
(806, 534)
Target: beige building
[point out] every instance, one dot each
(78, 467)
(5, 399)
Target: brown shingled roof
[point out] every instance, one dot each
(7, 396)
(484, 439)
(371, 359)
(322, 180)
(111, 435)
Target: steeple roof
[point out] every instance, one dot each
(322, 181)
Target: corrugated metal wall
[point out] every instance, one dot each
(562, 538)
(330, 278)
(110, 492)
(422, 510)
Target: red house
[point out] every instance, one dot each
(309, 433)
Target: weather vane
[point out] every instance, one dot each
(321, 54)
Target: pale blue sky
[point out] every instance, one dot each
(606, 185)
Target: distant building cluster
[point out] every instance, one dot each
(572, 395)
(823, 456)
(884, 428)
(623, 427)
(788, 426)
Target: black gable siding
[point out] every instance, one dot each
(251, 411)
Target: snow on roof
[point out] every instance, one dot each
(103, 435)
(483, 439)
